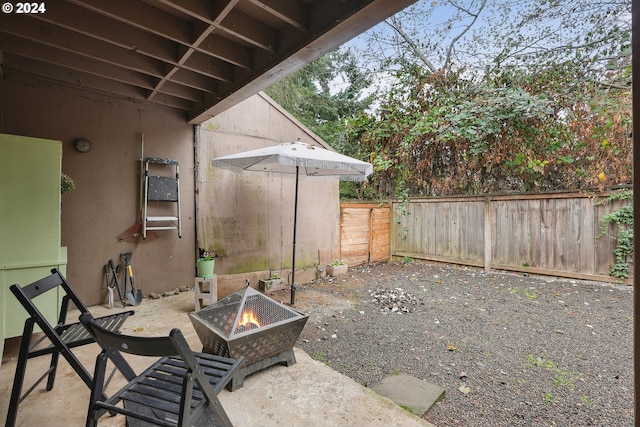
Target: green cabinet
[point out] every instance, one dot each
(29, 224)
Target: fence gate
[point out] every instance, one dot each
(364, 232)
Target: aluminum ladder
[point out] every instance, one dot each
(161, 190)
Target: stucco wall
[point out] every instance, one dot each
(105, 201)
(248, 216)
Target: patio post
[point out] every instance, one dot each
(293, 261)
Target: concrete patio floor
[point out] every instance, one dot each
(306, 394)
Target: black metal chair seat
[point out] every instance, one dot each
(61, 338)
(178, 389)
(76, 335)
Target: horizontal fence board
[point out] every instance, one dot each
(365, 232)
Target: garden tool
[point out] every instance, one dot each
(114, 283)
(109, 287)
(134, 296)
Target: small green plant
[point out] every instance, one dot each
(66, 184)
(548, 398)
(407, 260)
(208, 254)
(531, 294)
(540, 362)
(320, 357)
(584, 399)
(337, 262)
(274, 276)
(562, 378)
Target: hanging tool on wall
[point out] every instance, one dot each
(134, 296)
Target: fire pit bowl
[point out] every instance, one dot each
(250, 324)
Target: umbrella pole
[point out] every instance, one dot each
(293, 261)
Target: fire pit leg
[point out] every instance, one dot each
(286, 358)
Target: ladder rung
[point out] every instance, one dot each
(162, 218)
(174, 227)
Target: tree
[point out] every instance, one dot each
(488, 35)
(512, 132)
(484, 102)
(326, 92)
(324, 95)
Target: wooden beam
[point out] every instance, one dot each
(294, 13)
(132, 23)
(143, 16)
(208, 66)
(100, 27)
(61, 38)
(30, 49)
(250, 30)
(333, 23)
(228, 51)
(196, 80)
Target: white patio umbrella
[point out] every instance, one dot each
(300, 159)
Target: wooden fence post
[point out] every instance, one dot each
(487, 234)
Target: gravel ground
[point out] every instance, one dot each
(510, 350)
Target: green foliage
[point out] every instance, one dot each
(320, 357)
(562, 377)
(484, 97)
(325, 92)
(531, 294)
(621, 221)
(66, 184)
(485, 102)
(502, 133)
(323, 95)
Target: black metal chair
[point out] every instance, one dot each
(178, 389)
(62, 337)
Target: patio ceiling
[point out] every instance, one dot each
(196, 57)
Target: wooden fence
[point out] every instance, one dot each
(551, 234)
(364, 232)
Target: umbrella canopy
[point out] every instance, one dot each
(300, 159)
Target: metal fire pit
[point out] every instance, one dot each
(226, 328)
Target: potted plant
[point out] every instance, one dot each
(337, 268)
(66, 184)
(206, 263)
(273, 283)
